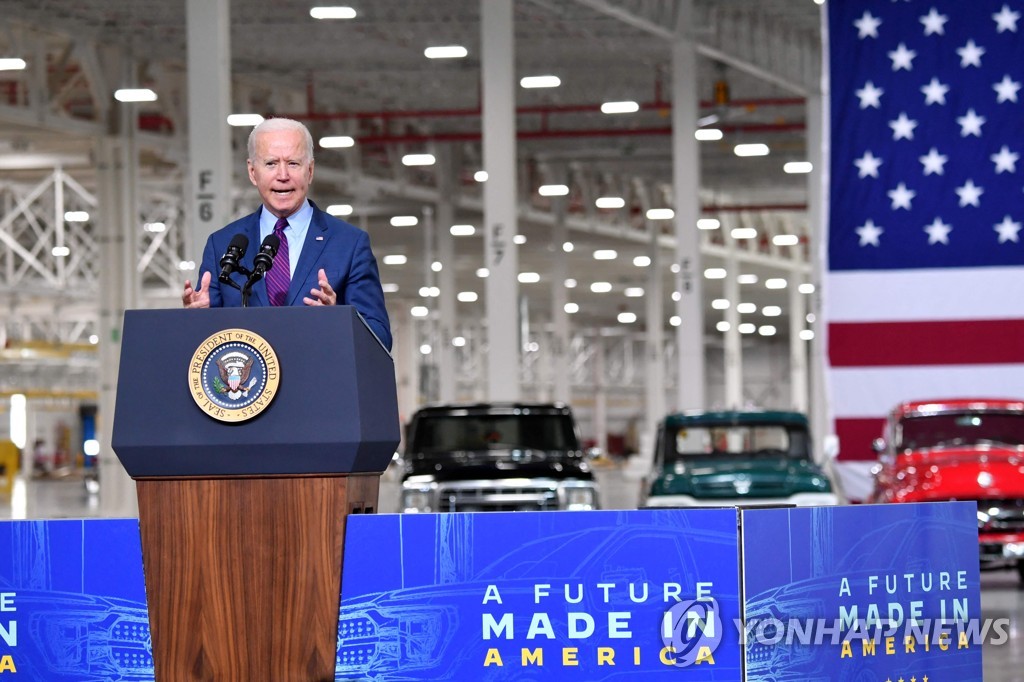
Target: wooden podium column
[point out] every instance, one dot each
(243, 575)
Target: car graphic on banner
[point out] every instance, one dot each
(73, 601)
(868, 565)
(600, 583)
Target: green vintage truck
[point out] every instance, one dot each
(714, 459)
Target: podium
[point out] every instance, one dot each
(251, 435)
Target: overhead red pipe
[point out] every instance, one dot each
(568, 133)
(522, 111)
(711, 208)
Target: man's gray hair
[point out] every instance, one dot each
(271, 125)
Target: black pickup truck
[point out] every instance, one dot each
(495, 457)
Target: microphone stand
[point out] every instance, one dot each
(224, 279)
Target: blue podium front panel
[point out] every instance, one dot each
(862, 594)
(610, 595)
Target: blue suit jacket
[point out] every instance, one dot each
(341, 249)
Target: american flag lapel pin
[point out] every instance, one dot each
(320, 238)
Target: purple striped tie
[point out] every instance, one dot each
(279, 276)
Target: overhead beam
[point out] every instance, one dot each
(665, 33)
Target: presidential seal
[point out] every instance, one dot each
(233, 375)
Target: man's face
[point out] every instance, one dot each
(281, 171)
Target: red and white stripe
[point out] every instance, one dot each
(901, 335)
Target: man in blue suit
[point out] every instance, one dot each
(328, 260)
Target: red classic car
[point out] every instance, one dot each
(960, 449)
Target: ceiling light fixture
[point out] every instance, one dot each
(245, 120)
(798, 167)
(340, 209)
(135, 95)
(708, 134)
(642, 261)
(606, 254)
(785, 240)
(660, 214)
(462, 230)
(775, 283)
(332, 13)
(626, 107)
(528, 277)
(480, 176)
(418, 160)
(708, 223)
(743, 233)
(553, 190)
(601, 287)
(754, 149)
(467, 296)
(336, 141)
(626, 317)
(610, 202)
(445, 52)
(404, 221)
(395, 259)
(531, 82)
(12, 64)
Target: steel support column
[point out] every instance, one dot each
(686, 185)
(500, 226)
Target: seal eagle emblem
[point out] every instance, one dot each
(234, 375)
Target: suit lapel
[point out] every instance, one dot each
(312, 247)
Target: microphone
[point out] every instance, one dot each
(229, 262)
(264, 260)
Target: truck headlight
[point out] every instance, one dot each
(578, 496)
(418, 496)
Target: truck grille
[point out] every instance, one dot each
(1004, 516)
(497, 496)
(730, 488)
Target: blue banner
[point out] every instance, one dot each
(73, 601)
(879, 592)
(831, 594)
(541, 596)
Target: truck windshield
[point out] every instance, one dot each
(494, 432)
(960, 428)
(769, 440)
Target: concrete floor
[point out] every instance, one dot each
(1002, 591)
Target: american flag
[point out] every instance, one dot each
(924, 291)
